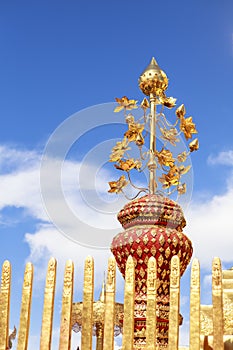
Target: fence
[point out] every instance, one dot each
(128, 325)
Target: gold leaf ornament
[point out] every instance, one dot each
(145, 104)
(116, 186)
(182, 157)
(183, 170)
(168, 102)
(194, 145)
(181, 189)
(135, 129)
(188, 127)
(118, 150)
(140, 140)
(180, 112)
(129, 119)
(125, 103)
(127, 165)
(165, 157)
(170, 179)
(169, 135)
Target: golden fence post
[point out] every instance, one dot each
(24, 323)
(47, 319)
(5, 304)
(217, 300)
(151, 305)
(88, 295)
(67, 300)
(195, 306)
(128, 325)
(173, 332)
(109, 319)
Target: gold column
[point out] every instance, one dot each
(217, 299)
(128, 326)
(110, 306)
(25, 308)
(47, 320)
(99, 336)
(152, 164)
(173, 332)
(5, 304)
(87, 315)
(67, 299)
(151, 305)
(195, 306)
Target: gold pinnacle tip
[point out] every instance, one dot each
(153, 80)
(153, 62)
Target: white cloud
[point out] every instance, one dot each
(184, 333)
(209, 223)
(76, 205)
(222, 158)
(210, 227)
(19, 185)
(48, 242)
(15, 158)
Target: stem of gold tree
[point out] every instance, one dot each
(152, 164)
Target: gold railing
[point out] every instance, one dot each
(128, 326)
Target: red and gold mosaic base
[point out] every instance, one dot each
(153, 227)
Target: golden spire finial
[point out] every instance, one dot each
(153, 62)
(153, 80)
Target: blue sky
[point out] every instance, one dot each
(58, 58)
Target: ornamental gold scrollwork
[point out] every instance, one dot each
(175, 272)
(129, 275)
(111, 275)
(88, 269)
(216, 273)
(195, 274)
(68, 278)
(51, 272)
(28, 276)
(6, 273)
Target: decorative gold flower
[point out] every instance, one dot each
(180, 112)
(124, 102)
(140, 140)
(194, 145)
(135, 129)
(145, 104)
(182, 157)
(127, 165)
(171, 178)
(116, 186)
(188, 127)
(138, 164)
(168, 102)
(181, 188)
(169, 135)
(165, 157)
(118, 150)
(129, 119)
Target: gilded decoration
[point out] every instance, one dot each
(152, 222)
